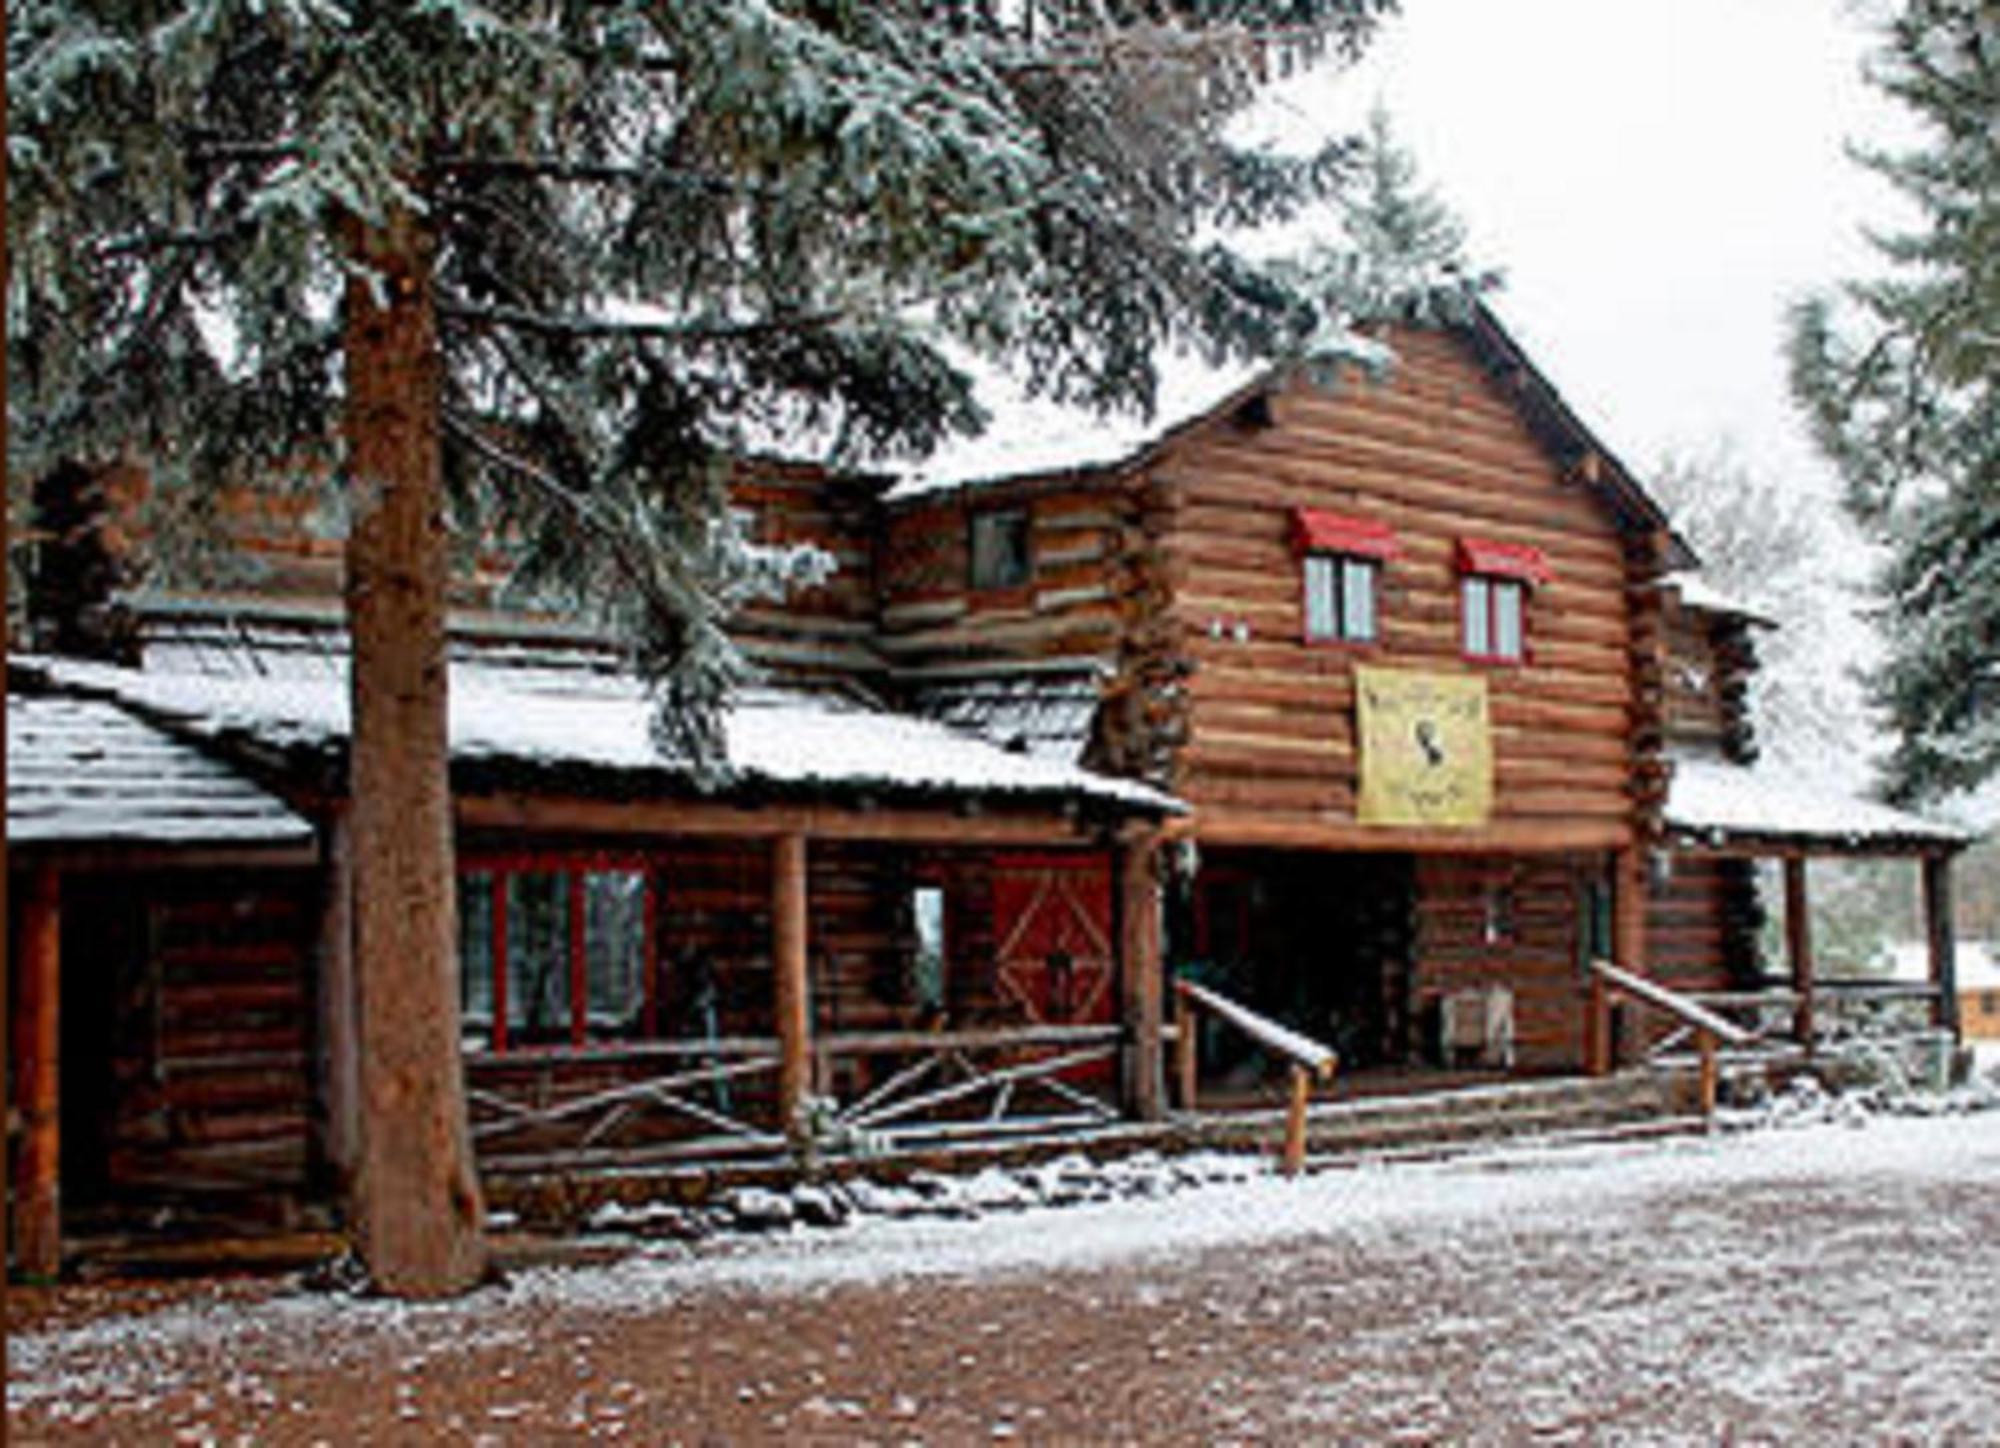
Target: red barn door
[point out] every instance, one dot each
(1053, 939)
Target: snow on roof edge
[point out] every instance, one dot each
(1718, 801)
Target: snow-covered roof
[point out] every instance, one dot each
(1714, 802)
(785, 738)
(1029, 435)
(1047, 713)
(1698, 592)
(85, 771)
(1974, 963)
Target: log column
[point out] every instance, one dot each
(1938, 936)
(37, 1094)
(1799, 950)
(1139, 974)
(793, 991)
(1628, 950)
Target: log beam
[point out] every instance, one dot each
(37, 972)
(1799, 950)
(1938, 937)
(793, 989)
(1139, 974)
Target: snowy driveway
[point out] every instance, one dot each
(1823, 1283)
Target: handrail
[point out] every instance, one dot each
(1708, 1027)
(1306, 1057)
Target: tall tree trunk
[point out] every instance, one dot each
(417, 1206)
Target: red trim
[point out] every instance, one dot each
(1503, 560)
(499, 960)
(1314, 530)
(579, 962)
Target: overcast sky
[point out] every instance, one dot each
(1657, 181)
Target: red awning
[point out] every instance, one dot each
(1503, 560)
(1314, 530)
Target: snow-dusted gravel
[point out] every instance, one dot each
(1834, 1281)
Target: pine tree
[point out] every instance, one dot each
(542, 271)
(1401, 251)
(1900, 379)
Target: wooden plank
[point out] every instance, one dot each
(507, 811)
(1685, 1008)
(1295, 1120)
(1299, 1049)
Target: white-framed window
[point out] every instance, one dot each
(1493, 615)
(1340, 597)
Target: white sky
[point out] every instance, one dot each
(1657, 181)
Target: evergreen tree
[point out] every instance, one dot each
(1401, 250)
(552, 266)
(1900, 378)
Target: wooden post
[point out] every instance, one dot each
(1799, 950)
(339, 1057)
(788, 959)
(1704, 1044)
(1628, 949)
(37, 973)
(1295, 1121)
(1943, 949)
(1140, 980)
(1187, 1052)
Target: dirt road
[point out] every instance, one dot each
(1835, 1283)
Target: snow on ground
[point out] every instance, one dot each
(1829, 1279)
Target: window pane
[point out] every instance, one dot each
(538, 956)
(1472, 605)
(1507, 620)
(475, 957)
(927, 912)
(1319, 596)
(615, 949)
(1357, 598)
(1000, 548)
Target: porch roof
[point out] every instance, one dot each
(786, 740)
(1712, 803)
(87, 772)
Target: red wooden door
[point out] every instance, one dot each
(1052, 937)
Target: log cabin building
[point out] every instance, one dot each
(1359, 691)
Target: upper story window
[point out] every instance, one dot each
(1342, 570)
(554, 953)
(1000, 549)
(1493, 597)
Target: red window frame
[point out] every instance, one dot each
(574, 868)
(1341, 539)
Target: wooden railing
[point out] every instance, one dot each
(998, 1081)
(1306, 1058)
(1710, 1029)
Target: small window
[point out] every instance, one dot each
(1340, 597)
(927, 972)
(1000, 549)
(1493, 612)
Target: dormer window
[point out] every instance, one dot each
(1000, 549)
(1342, 559)
(1494, 580)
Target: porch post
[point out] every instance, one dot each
(1140, 983)
(1628, 949)
(340, 1061)
(1799, 948)
(1943, 948)
(788, 959)
(37, 1091)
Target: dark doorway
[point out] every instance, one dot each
(1320, 942)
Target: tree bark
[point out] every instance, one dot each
(416, 1204)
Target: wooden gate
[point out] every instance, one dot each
(1053, 952)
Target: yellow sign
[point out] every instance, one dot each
(1426, 748)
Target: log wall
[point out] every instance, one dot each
(1437, 452)
(1518, 922)
(188, 1035)
(1702, 922)
(1713, 660)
